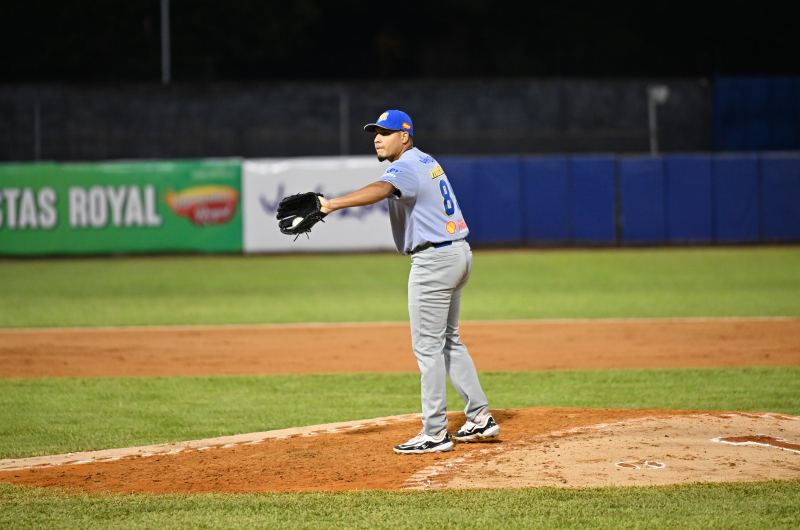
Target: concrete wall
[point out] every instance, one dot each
(458, 117)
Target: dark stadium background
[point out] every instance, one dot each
(246, 40)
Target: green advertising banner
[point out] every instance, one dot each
(120, 207)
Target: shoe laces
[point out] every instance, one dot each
(438, 437)
(418, 438)
(479, 421)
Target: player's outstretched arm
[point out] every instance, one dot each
(375, 192)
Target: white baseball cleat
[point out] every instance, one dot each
(482, 426)
(423, 443)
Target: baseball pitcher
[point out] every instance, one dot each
(427, 223)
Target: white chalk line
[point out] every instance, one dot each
(646, 464)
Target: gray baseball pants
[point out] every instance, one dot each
(434, 300)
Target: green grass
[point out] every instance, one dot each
(372, 287)
(753, 506)
(48, 416)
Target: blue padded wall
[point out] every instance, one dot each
(780, 181)
(594, 198)
(546, 199)
(679, 198)
(736, 207)
(689, 198)
(496, 201)
(643, 202)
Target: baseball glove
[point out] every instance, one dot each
(303, 206)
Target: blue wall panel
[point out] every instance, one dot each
(594, 198)
(736, 198)
(680, 198)
(546, 199)
(643, 209)
(689, 198)
(496, 203)
(780, 179)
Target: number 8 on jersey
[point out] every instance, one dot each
(447, 198)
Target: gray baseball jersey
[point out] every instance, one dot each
(425, 210)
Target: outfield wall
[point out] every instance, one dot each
(230, 205)
(633, 200)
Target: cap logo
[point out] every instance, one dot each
(406, 125)
(384, 116)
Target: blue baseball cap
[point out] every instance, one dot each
(393, 120)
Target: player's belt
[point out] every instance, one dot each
(434, 245)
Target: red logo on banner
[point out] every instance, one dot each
(204, 205)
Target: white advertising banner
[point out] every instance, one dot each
(265, 182)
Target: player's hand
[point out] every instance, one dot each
(325, 205)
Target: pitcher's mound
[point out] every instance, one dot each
(537, 447)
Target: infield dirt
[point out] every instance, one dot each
(352, 348)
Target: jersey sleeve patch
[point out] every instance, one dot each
(391, 173)
(404, 179)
